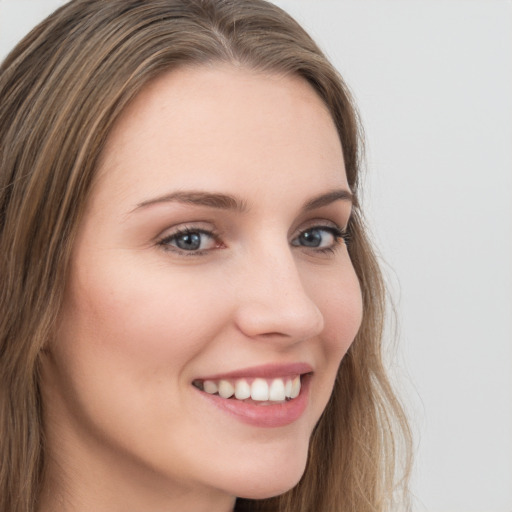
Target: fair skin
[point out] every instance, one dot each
(173, 284)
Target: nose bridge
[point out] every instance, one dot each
(274, 300)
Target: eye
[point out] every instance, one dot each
(323, 238)
(190, 240)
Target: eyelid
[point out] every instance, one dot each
(163, 241)
(339, 235)
(195, 226)
(320, 222)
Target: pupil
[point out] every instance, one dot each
(311, 238)
(189, 241)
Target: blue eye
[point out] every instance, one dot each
(190, 240)
(323, 238)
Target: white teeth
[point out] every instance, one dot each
(288, 388)
(277, 392)
(226, 389)
(259, 390)
(210, 387)
(242, 389)
(295, 388)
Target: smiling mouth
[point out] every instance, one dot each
(259, 391)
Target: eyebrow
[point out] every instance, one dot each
(209, 199)
(328, 198)
(232, 203)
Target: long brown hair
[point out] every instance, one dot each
(61, 90)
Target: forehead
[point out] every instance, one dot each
(221, 126)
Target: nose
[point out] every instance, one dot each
(273, 302)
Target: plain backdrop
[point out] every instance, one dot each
(433, 81)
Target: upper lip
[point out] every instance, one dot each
(268, 371)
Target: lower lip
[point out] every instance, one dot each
(269, 416)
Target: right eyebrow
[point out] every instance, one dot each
(211, 200)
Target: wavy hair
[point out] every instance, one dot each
(61, 90)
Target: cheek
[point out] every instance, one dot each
(343, 316)
(134, 334)
(125, 346)
(340, 301)
(338, 296)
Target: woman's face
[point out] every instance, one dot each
(210, 257)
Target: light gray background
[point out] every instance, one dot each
(433, 79)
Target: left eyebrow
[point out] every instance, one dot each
(328, 198)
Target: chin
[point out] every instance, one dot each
(269, 480)
(268, 490)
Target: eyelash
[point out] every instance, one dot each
(166, 241)
(341, 236)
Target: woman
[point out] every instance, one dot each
(191, 311)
